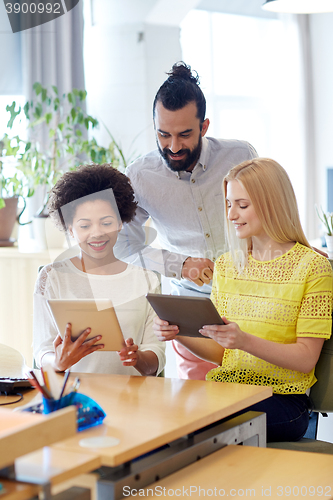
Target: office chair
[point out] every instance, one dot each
(322, 399)
(12, 363)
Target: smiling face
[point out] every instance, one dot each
(179, 136)
(95, 228)
(241, 212)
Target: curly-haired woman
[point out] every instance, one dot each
(91, 204)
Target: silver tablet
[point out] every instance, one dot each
(99, 315)
(189, 313)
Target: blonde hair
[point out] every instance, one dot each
(274, 201)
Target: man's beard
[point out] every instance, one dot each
(190, 159)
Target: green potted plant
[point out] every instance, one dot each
(327, 220)
(58, 140)
(58, 127)
(12, 187)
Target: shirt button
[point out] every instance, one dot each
(213, 259)
(207, 235)
(193, 180)
(174, 275)
(200, 209)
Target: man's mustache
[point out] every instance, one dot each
(180, 152)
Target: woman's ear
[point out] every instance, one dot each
(70, 231)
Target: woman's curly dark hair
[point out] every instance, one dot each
(91, 179)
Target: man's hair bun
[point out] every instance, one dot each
(182, 70)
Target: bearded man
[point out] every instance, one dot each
(179, 185)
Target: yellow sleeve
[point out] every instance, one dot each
(315, 315)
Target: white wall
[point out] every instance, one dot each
(125, 65)
(322, 44)
(129, 47)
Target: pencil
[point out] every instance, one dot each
(46, 379)
(34, 382)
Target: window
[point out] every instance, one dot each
(250, 74)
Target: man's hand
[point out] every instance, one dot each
(200, 271)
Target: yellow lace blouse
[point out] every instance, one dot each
(278, 300)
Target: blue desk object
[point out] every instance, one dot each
(89, 413)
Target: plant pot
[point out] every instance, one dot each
(329, 243)
(8, 215)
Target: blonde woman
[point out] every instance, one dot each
(274, 294)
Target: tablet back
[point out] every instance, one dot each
(189, 313)
(99, 315)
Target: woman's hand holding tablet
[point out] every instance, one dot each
(182, 318)
(67, 352)
(163, 330)
(183, 315)
(84, 326)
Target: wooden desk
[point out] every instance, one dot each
(243, 471)
(22, 432)
(17, 491)
(30, 396)
(145, 413)
(55, 466)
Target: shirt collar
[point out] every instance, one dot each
(203, 160)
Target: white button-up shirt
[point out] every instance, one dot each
(186, 208)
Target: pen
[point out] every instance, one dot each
(64, 384)
(44, 389)
(76, 385)
(34, 382)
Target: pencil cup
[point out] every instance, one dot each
(88, 412)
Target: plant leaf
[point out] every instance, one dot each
(44, 94)
(37, 88)
(13, 113)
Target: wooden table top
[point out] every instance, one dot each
(10, 490)
(144, 413)
(244, 471)
(22, 432)
(54, 465)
